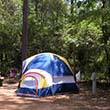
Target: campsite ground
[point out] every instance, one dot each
(82, 101)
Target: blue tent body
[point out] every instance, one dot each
(46, 74)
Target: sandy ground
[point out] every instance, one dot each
(82, 101)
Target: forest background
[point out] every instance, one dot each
(79, 30)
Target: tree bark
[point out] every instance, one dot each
(105, 36)
(25, 30)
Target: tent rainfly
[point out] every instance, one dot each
(46, 74)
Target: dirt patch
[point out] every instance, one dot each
(82, 101)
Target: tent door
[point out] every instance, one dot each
(30, 82)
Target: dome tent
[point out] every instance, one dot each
(46, 74)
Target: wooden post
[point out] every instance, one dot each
(93, 77)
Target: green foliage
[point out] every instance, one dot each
(10, 29)
(85, 33)
(78, 30)
(46, 20)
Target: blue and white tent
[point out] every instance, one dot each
(46, 74)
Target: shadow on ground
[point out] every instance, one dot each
(82, 101)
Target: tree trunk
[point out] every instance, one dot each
(105, 36)
(25, 30)
(71, 7)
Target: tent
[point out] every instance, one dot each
(46, 74)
